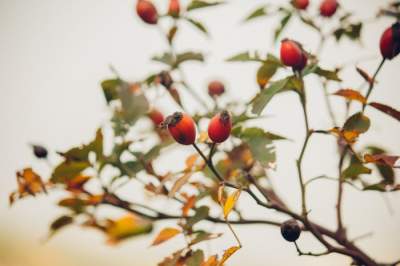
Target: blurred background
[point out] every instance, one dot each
(54, 54)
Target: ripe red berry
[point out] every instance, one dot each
(182, 128)
(147, 11)
(290, 230)
(390, 41)
(293, 55)
(174, 8)
(156, 116)
(301, 4)
(328, 8)
(216, 88)
(220, 127)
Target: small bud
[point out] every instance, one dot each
(290, 230)
(165, 79)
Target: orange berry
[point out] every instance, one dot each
(220, 127)
(174, 8)
(301, 4)
(156, 116)
(182, 128)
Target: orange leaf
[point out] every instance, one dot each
(350, 94)
(230, 202)
(203, 137)
(127, 226)
(227, 254)
(191, 161)
(212, 261)
(188, 205)
(165, 234)
(221, 198)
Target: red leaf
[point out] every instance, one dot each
(365, 75)
(381, 159)
(386, 109)
(350, 94)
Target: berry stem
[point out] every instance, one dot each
(372, 83)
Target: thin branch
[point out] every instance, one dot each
(301, 253)
(340, 228)
(372, 83)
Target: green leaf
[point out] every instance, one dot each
(201, 214)
(59, 223)
(245, 57)
(262, 99)
(196, 259)
(354, 170)
(357, 122)
(284, 21)
(259, 12)
(386, 172)
(352, 31)
(188, 56)
(198, 25)
(67, 171)
(134, 105)
(260, 144)
(310, 23)
(130, 168)
(110, 89)
(328, 74)
(196, 4)
(266, 72)
(166, 58)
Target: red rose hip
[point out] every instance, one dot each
(220, 127)
(293, 55)
(147, 11)
(300, 4)
(182, 128)
(174, 8)
(216, 88)
(328, 8)
(390, 41)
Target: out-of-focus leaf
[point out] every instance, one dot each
(29, 183)
(260, 144)
(284, 21)
(196, 258)
(265, 73)
(188, 56)
(385, 171)
(350, 94)
(172, 33)
(196, 4)
(295, 83)
(201, 214)
(198, 25)
(352, 31)
(134, 105)
(127, 226)
(59, 223)
(230, 202)
(203, 236)
(245, 57)
(130, 168)
(211, 261)
(309, 22)
(355, 169)
(262, 98)
(75, 204)
(189, 204)
(365, 75)
(377, 187)
(328, 74)
(358, 123)
(383, 159)
(165, 234)
(110, 89)
(259, 12)
(67, 170)
(166, 58)
(76, 184)
(227, 254)
(179, 184)
(386, 109)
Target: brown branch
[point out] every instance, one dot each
(301, 253)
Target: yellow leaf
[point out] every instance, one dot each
(191, 161)
(227, 254)
(230, 202)
(203, 137)
(350, 94)
(127, 226)
(179, 184)
(212, 261)
(164, 235)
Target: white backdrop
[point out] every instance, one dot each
(53, 55)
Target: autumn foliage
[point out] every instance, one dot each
(229, 157)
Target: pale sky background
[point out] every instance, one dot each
(54, 54)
